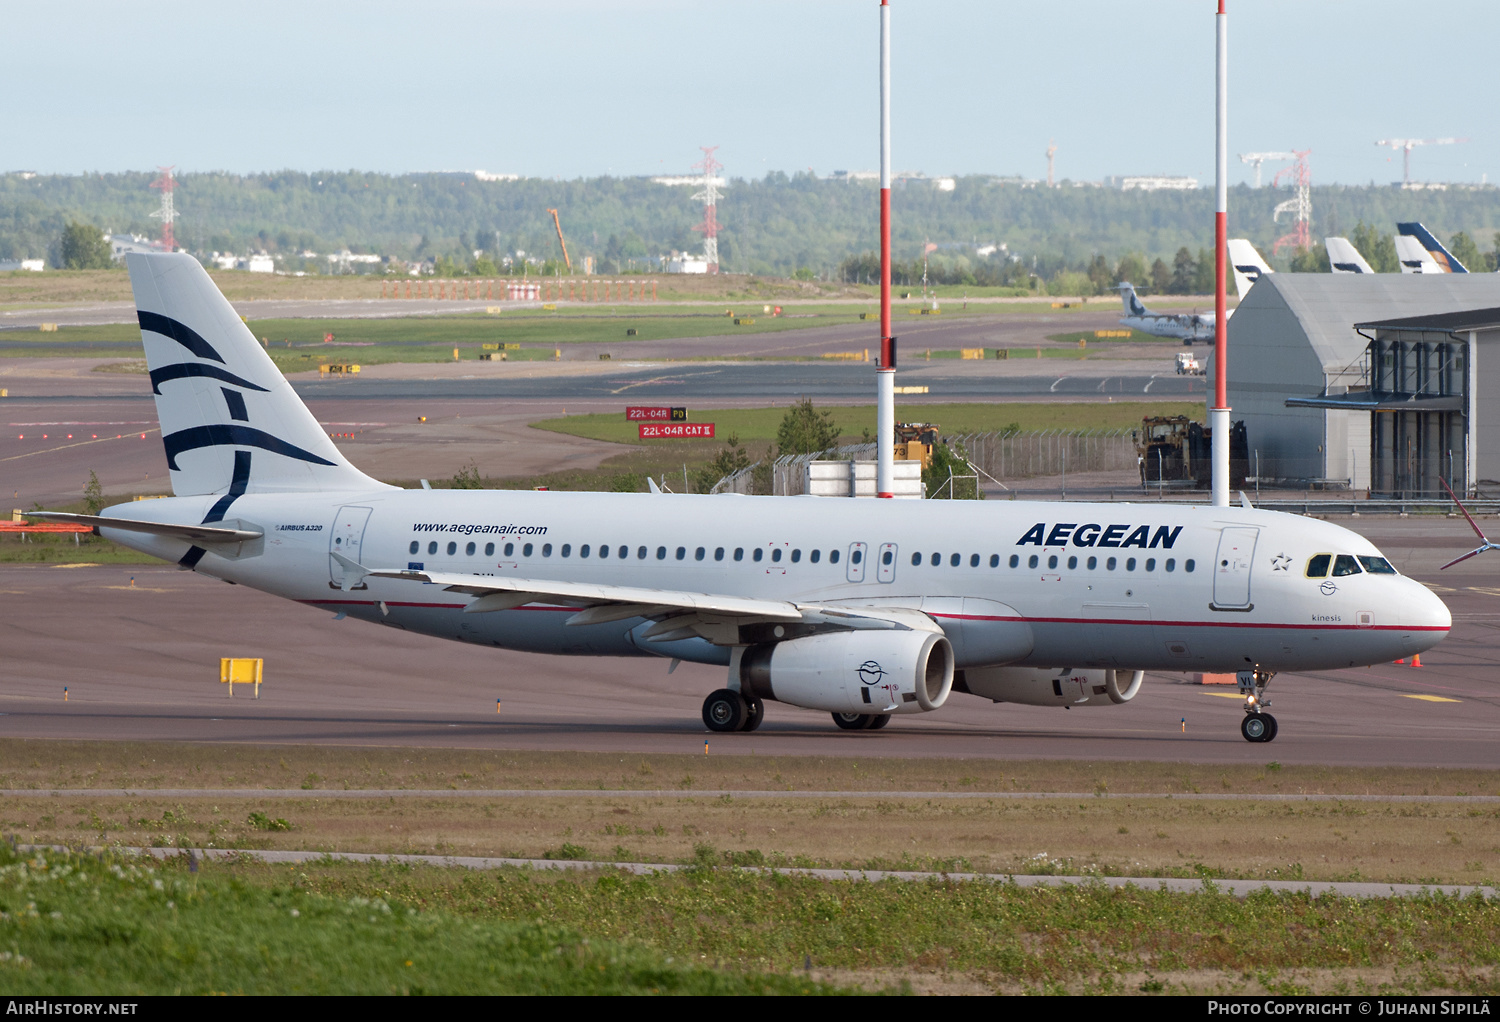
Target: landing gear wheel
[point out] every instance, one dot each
(880, 721)
(725, 710)
(853, 721)
(1258, 727)
(756, 714)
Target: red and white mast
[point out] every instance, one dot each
(167, 213)
(1218, 415)
(710, 196)
(885, 372)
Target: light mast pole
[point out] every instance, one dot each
(1218, 415)
(885, 373)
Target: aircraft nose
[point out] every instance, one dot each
(1421, 609)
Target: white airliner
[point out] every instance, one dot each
(1343, 257)
(1420, 252)
(1247, 264)
(1185, 326)
(861, 608)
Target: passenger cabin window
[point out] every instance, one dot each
(567, 549)
(937, 559)
(953, 560)
(432, 547)
(526, 550)
(415, 546)
(796, 556)
(1343, 564)
(887, 557)
(814, 555)
(718, 553)
(739, 553)
(546, 549)
(776, 556)
(857, 556)
(489, 550)
(1151, 564)
(1031, 561)
(661, 553)
(452, 548)
(1093, 563)
(469, 550)
(757, 555)
(1171, 564)
(681, 552)
(1109, 565)
(1317, 565)
(833, 557)
(1377, 565)
(583, 551)
(916, 559)
(603, 550)
(510, 548)
(1072, 563)
(1015, 560)
(1052, 561)
(1188, 564)
(973, 560)
(698, 554)
(995, 560)
(1130, 564)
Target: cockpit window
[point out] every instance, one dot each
(1317, 565)
(1343, 564)
(1377, 565)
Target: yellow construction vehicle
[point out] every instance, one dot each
(558, 224)
(914, 442)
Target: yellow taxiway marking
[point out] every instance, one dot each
(139, 589)
(1486, 590)
(1225, 695)
(1430, 699)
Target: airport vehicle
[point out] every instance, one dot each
(1188, 364)
(1343, 257)
(1174, 451)
(1185, 326)
(1420, 252)
(860, 608)
(1248, 265)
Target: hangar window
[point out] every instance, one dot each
(739, 553)
(510, 548)
(698, 554)
(994, 560)
(814, 556)
(757, 554)
(916, 559)
(1343, 564)
(432, 547)
(469, 550)
(452, 548)
(1171, 564)
(1032, 561)
(1317, 565)
(1109, 565)
(1072, 563)
(1052, 561)
(973, 560)
(718, 553)
(1130, 564)
(1377, 565)
(796, 556)
(415, 546)
(953, 559)
(1151, 564)
(526, 550)
(546, 549)
(776, 556)
(1188, 564)
(1093, 563)
(833, 557)
(1015, 560)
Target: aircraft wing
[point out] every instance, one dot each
(678, 614)
(200, 534)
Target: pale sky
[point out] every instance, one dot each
(578, 88)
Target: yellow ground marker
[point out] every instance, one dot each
(1430, 699)
(1225, 695)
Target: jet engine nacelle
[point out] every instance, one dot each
(853, 672)
(1034, 686)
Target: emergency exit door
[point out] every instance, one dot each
(347, 540)
(1232, 568)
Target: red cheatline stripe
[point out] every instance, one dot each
(1193, 624)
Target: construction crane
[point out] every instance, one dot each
(1406, 145)
(558, 224)
(1256, 159)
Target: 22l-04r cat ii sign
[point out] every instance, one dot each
(676, 430)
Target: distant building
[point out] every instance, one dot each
(684, 263)
(854, 175)
(344, 261)
(942, 184)
(484, 175)
(688, 180)
(121, 245)
(1151, 183)
(257, 262)
(260, 262)
(12, 265)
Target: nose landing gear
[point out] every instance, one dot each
(1258, 725)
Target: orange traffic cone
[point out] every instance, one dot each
(1416, 661)
(1402, 662)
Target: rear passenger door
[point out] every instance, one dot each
(855, 569)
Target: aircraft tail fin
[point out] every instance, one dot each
(1133, 306)
(1248, 265)
(1446, 263)
(1344, 257)
(230, 421)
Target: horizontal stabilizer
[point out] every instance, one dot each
(200, 534)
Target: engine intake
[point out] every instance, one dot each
(1043, 686)
(853, 672)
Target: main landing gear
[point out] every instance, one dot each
(727, 710)
(861, 721)
(1258, 725)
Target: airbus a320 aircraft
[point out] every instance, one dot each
(861, 608)
(1185, 326)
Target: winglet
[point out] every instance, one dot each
(654, 487)
(1485, 543)
(1245, 501)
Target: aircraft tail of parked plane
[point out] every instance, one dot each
(1248, 265)
(230, 421)
(1128, 298)
(1343, 257)
(1420, 252)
